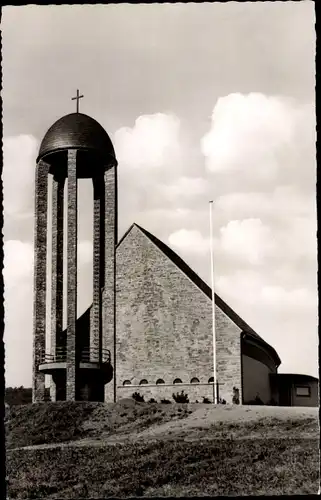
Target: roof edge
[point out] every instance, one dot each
(126, 234)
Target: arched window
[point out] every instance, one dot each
(177, 381)
(211, 380)
(195, 381)
(126, 382)
(143, 382)
(160, 381)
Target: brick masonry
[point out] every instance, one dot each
(39, 325)
(71, 277)
(108, 298)
(164, 326)
(195, 392)
(56, 268)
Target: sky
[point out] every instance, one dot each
(202, 102)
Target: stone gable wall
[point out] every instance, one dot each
(164, 326)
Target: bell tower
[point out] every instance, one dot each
(81, 360)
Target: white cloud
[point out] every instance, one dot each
(182, 212)
(18, 262)
(285, 317)
(300, 239)
(18, 299)
(242, 286)
(184, 188)
(248, 240)
(190, 241)
(152, 142)
(19, 158)
(284, 201)
(251, 289)
(277, 296)
(247, 133)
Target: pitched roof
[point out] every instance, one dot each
(178, 261)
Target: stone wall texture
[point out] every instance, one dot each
(164, 327)
(195, 392)
(71, 276)
(40, 266)
(108, 297)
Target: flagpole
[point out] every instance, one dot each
(213, 306)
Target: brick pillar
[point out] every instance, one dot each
(109, 293)
(40, 271)
(71, 277)
(56, 267)
(98, 252)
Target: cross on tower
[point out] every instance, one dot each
(77, 99)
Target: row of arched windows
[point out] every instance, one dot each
(161, 381)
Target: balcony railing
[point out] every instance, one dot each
(86, 355)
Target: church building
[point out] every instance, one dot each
(149, 328)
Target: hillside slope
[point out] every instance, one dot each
(86, 450)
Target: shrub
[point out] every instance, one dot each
(166, 401)
(206, 400)
(181, 397)
(256, 401)
(138, 397)
(152, 400)
(236, 396)
(22, 395)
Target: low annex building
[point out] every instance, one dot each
(149, 328)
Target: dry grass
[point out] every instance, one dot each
(250, 451)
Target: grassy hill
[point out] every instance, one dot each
(88, 450)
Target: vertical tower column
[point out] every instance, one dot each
(71, 276)
(57, 269)
(98, 270)
(109, 294)
(40, 276)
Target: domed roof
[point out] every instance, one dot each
(76, 131)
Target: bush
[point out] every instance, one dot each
(22, 395)
(206, 400)
(256, 401)
(236, 396)
(166, 401)
(138, 397)
(152, 400)
(181, 397)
